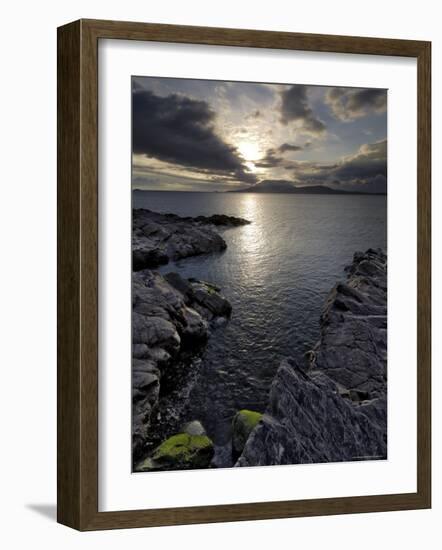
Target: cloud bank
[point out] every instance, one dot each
(365, 170)
(209, 135)
(295, 108)
(348, 104)
(180, 130)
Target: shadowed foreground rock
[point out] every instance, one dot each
(243, 423)
(180, 452)
(159, 238)
(334, 409)
(169, 315)
(187, 450)
(171, 321)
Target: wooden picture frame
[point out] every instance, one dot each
(78, 274)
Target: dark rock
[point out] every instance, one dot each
(145, 394)
(207, 297)
(170, 315)
(210, 286)
(308, 421)
(222, 220)
(159, 238)
(194, 328)
(144, 258)
(167, 321)
(243, 423)
(336, 409)
(180, 284)
(352, 349)
(180, 452)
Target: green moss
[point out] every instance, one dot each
(181, 446)
(243, 424)
(182, 451)
(210, 289)
(249, 418)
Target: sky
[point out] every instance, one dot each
(207, 135)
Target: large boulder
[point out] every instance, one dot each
(308, 421)
(207, 296)
(243, 423)
(180, 452)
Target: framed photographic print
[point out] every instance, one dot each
(244, 274)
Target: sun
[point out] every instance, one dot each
(249, 150)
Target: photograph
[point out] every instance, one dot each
(259, 274)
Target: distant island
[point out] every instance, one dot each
(283, 186)
(276, 186)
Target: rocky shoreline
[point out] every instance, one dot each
(172, 317)
(160, 238)
(331, 408)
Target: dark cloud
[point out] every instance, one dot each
(369, 162)
(180, 130)
(242, 174)
(347, 103)
(368, 168)
(295, 108)
(289, 147)
(272, 158)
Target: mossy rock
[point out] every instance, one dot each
(180, 452)
(243, 423)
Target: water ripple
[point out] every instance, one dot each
(277, 273)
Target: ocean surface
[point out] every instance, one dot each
(276, 273)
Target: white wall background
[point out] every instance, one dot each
(28, 278)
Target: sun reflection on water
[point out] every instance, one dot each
(251, 240)
(248, 206)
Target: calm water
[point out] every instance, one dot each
(276, 273)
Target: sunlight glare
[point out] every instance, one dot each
(248, 207)
(249, 150)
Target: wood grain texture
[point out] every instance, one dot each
(424, 275)
(78, 274)
(68, 276)
(253, 38)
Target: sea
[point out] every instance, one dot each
(276, 273)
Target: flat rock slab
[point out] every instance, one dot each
(352, 349)
(160, 238)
